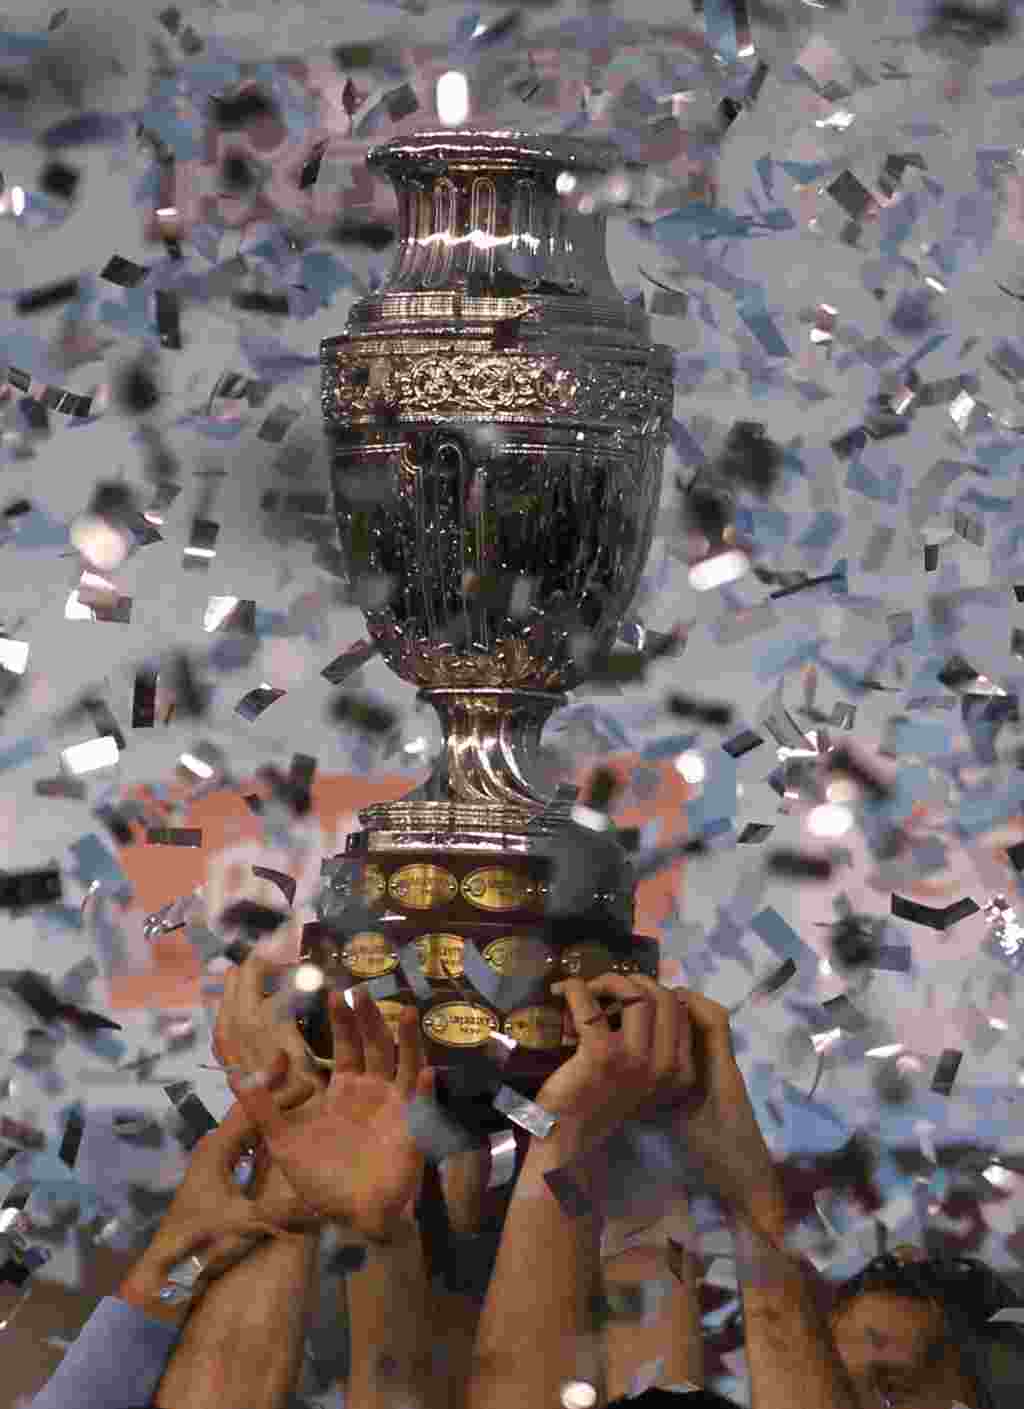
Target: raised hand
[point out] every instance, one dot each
(614, 1074)
(250, 1032)
(707, 1106)
(348, 1151)
(212, 1217)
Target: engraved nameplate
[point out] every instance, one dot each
(422, 886)
(497, 889)
(515, 954)
(440, 955)
(535, 1027)
(459, 1024)
(369, 954)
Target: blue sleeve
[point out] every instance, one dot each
(116, 1363)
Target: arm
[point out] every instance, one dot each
(658, 1252)
(788, 1341)
(135, 1321)
(391, 1325)
(535, 1327)
(242, 1345)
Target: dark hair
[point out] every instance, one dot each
(969, 1294)
(964, 1287)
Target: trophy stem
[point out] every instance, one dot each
(490, 748)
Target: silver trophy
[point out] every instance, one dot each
(497, 417)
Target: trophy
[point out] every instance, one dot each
(497, 417)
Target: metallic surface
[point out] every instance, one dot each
(409, 826)
(498, 417)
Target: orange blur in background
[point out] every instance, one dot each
(160, 874)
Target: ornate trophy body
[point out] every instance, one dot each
(497, 418)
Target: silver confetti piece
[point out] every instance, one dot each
(521, 1111)
(503, 1159)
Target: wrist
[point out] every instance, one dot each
(141, 1287)
(563, 1151)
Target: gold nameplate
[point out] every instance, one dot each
(497, 889)
(391, 1011)
(515, 954)
(370, 954)
(537, 1028)
(440, 955)
(459, 1024)
(421, 886)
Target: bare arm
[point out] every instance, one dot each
(535, 1329)
(243, 1342)
(646, 1255)
(391, 1325)
(788, 1341)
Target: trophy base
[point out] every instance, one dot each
(451, 916)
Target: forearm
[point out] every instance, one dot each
(536, 1326)
(391, 1325)
(788, 1341)
(242, 1345)
(673, 1334)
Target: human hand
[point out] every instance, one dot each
(211, 1217)
(348, 1151)
(249, 1032)
(706, 1105)
(613, 1074)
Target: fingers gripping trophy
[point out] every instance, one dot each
(497, 417)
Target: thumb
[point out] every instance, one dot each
(425, 1084)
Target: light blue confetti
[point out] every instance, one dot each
(718, 796)
(823, 531)
(763, 328)
(886, 490)
(763, 167)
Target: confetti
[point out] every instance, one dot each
(797, 866)
(343, 667)
(362, 713)
(945, 1072)
(573, 1202)
(286, 884)
(168, 319)
(196, 1120)
(235, 112)
(174, 836)
(525, 1113)
(71, 1140)
(21, 890)
(933, 917)
(258, 701)
(374, 235)
(39, 299)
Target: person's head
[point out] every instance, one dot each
(903, 1325)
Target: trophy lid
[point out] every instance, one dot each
(500, 150)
